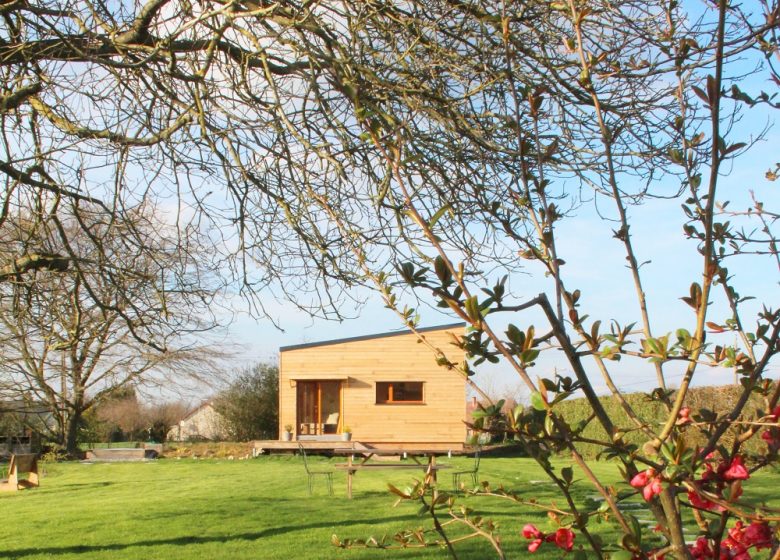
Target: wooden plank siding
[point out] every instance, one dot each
(436, 423)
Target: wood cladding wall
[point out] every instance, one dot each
(360, 364)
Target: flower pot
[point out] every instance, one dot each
(346, 436)
(286, 436)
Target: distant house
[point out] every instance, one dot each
(203, 423)
(387, 388)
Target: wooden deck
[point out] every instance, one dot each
(326, 446)
(260, 447)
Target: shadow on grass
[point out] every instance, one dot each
(190, 540)
(84, 486)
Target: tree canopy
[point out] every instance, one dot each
(440, 146)
(250, 404)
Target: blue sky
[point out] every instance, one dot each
(595, 266)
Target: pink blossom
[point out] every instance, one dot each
(652, 489)
(684, 417)
(700, 502)
(650, 483)
(772, 435)
(534, 545)
(701, 548)
(735, 546)
(709, 473)
(563, 538)
(758, 534)
(531, 532)
(640, 480)
(736, 470)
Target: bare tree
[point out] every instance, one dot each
(442, 145)
(62, 348)
(121, 414)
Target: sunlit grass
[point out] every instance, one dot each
(258, 508)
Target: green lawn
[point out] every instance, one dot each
(258, 509)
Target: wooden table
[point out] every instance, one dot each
(416, 455)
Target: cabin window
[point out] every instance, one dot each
(399, 392)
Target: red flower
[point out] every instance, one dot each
(700, 502)
(650, 483)
(701, 548)
(563, 538)
(736, 470)
(772, 435)
(640, 480)
(735, 546)
(757, 534)
(652, 489)
(531, 532)
(684, 417)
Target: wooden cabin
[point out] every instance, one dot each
(387, 388)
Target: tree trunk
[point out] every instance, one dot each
(71, 434)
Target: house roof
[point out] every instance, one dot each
(194, 411)
(369, 337)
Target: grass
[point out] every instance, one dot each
(258, 508)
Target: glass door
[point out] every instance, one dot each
(319, 407)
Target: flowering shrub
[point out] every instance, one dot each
(649, 482)
(563, 538)
(630, 92)
(772, 434)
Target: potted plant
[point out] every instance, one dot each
(287, 434)
(346, 433)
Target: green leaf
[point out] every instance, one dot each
(636, 528)
(700, 94)
(734, 147)
(561, 397)
(437, 216)
(676, 156)
(515, 335)
(442, 271)
(537, 401)
(668, 453)
(549, 426)
(472, 308)
(529, 356)
(549, 384)
(621, 555)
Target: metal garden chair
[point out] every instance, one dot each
(472, 472)
(328, 474)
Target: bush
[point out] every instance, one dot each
(720, 400)
(250, 406)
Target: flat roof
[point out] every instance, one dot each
(368, 337)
